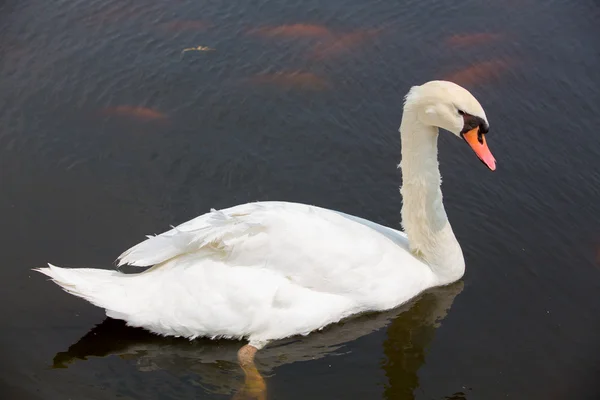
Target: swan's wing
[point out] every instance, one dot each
(309, 245)
(210, 231)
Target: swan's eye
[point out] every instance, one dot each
(461, 112)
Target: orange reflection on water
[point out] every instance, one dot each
(292, 31)
(480, 72)
(293, 79)
(345, 43)
(329, 44)
(140, 113)
(472, 39)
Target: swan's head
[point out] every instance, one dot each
(451, 107)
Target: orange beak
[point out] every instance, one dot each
(477, 142)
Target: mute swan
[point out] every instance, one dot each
(270, 270)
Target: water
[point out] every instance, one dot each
(108, 133)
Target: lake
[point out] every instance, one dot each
(109, 131)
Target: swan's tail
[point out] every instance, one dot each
(103, 288)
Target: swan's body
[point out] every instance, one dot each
(271, 270)
(264, 271)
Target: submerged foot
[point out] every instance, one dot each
(254, 384)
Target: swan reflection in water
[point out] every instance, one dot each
(214, 365)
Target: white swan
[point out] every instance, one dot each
(270, 270)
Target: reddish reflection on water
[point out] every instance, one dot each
(137, 112)
(292, 79)
(330, 43)
(343, 44)
(480, 72)
(292, 31)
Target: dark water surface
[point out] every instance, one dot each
(108, 133)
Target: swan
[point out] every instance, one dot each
(265, 271)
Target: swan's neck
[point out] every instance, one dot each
(423, 216)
